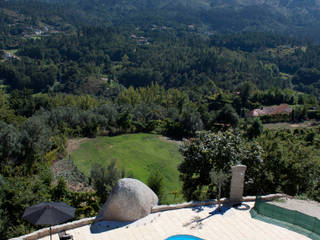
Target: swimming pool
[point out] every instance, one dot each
(183, 237)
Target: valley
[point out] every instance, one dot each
(168, 92)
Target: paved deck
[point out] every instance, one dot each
(202, 222)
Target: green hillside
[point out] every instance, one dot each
(138, 154)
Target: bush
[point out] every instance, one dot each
(155, 182)
(104, 179)
(255, 129)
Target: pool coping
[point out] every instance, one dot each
(87, 221)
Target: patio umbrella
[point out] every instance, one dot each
(46, 213)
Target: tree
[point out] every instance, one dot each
(36, 139)
(246, 90)
(219, 178)
(6, 114)
(22, 102)
(217, 151)
(190, 121)
(10, 143)
(3, 218)
(88, 123)
(299, 114)
(20, 193)
(228, 115)
(290, 163)
(108, 116)
(255, 129)
(125, 121)
(59, 192)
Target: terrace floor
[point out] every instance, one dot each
(204, 222)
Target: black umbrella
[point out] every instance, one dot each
(49, 213)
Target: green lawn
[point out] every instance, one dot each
(138, 154)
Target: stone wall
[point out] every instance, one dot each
(161, 208)
(55, 229)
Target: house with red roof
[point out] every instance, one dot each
(273, 110)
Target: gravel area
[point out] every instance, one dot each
(76, 181)
(308, 207)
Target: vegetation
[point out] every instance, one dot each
(19, 192)
(155, 182)
(277, 161)
(291, 162)
(143, 156)
(126, 72)
(104, 178)
(219, 178)
(255, 129)
(216, 152)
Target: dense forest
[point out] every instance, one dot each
(95, 57)
(112, 67)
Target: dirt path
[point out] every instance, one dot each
(170, 140)
(73, 144)
(288, 125)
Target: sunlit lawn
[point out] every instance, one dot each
(138, 154)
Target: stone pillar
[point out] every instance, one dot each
(237, 182)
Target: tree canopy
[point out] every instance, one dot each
(216, 151)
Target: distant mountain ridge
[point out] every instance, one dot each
(290, 17)
(295, 18)
(285, 7)
(303, 5)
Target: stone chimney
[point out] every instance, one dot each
(237, 183)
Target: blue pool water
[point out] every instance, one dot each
(183, 237)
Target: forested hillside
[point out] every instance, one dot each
(294, 18)
(73, 69)
(87, 60)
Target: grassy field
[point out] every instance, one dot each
(138, 154)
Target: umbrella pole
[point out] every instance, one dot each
(50, 234)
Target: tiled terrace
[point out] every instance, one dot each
(203, 222)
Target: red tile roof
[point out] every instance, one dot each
(281, 109)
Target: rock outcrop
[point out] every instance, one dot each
(129, 200)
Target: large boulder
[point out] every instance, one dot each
(129, 200)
